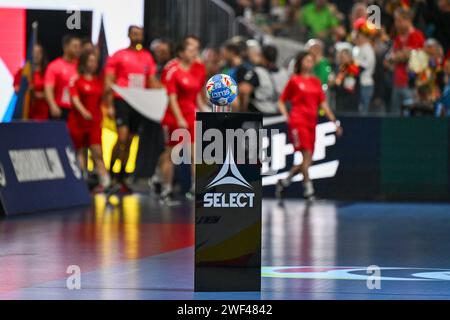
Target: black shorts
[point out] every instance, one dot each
(127, 116)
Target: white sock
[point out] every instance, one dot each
(156, 176)
(105, 181)
(286, 182)
(166, 189)
(308, 188)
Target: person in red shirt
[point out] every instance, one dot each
(58, 75)
(85, 120)
(183, 87)
(132, 67)
(38, 106)
(304, 92)
(407, 39)
(198, 72)
(198, 68)
(197, 65)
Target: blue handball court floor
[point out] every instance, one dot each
(141, 250)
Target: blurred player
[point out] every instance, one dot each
(132, 67)
(162, 53)
(240, 70)
(198, 71)
(38, 106)
(151, 138)
(85, 120)
(58, 75)
(183, 87)
(304, 92)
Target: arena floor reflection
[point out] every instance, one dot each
(137, 249)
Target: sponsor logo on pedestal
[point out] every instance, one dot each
(229, 175)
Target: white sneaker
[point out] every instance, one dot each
(279, 188)
(190, 195)
(308, 190)
(155, 185)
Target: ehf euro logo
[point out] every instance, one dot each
(221, 89)
(229, 175)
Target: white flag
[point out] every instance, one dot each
(151, 103)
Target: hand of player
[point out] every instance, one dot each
(182, 123)
(339, 131)
(86, 115)
(111, 112)
(55, 112)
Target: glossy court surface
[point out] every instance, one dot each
(140, 250)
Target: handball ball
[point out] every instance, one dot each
(221, 89)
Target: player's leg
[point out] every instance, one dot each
(95, 145)
(293, 133)
(191, 193)
(114, 157)
(124, 137)
(286, 182)
(308, 138)
(308, 189)
(165, 163)
(167, 172)
(155, 182)
(97, 157)
(82, 159)
(79, 141)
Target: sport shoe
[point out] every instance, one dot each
(167, 200)
(279, 189)
(190, 195)
(125, 189)
(308, 190)
(98, 189)
(155, 186)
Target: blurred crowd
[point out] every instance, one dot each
(383, 57)
(389, 59)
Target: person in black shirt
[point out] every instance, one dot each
(151, 139)
(265, 83)
(237, 68)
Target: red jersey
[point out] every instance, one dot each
(90, 93)
(414, 40)
(58, 74)
(168, 66)
(305, 95)
(186, 85)
(197, 69)
(132, 68)
(39, 109)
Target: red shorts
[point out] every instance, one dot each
(169, 125)
(303, 137)
(39, 110)
(86, 137)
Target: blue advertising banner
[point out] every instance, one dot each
(38, 168)
(399, 159)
